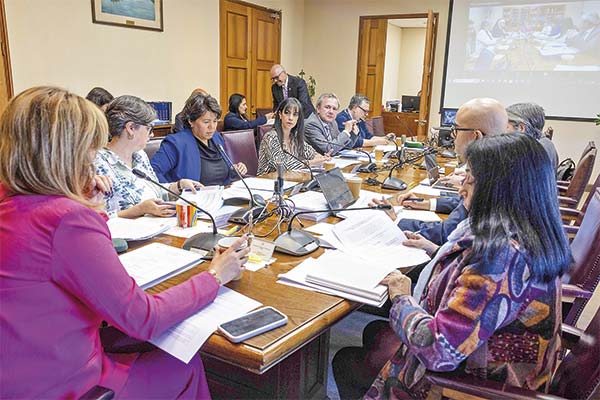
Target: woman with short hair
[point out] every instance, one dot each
(489, 303)
(130, 125)
(196, 152)
(60, 277)
(100, 97)
(285, 143)
(236, 118)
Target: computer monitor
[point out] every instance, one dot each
(448, 116)
(411, 103)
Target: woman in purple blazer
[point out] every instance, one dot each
(60, 276)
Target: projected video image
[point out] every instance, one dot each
(543, 36)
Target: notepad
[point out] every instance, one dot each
(138, 228)
(157, 262)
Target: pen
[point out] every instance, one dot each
(233, 230)
(414, 199)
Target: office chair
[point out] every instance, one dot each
(240, 146)
(570, 193)
(152, 147)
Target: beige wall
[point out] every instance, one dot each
(410, 70)
(330, 52)
(55, 43)
(393, 51)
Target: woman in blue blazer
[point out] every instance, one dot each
(236, 118)
(196, 152)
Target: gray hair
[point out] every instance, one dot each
(357, 100)
(126, 109)
(531, 115)
(327, 96)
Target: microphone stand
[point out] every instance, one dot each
(392, 183)
(205, 240)
(257, 202)
(307, 185)
(370, 167)
(300, 243)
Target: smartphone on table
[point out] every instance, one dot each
(252, 324)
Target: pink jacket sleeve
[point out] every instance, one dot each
(86, 265)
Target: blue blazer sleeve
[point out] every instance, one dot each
(164, 160)
(437, 232)
(233, 122)
(446, 205)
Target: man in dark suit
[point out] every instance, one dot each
(285, 85)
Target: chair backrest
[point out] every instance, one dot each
(585, 248)
(240, 147)
(261, 131)
(582, 175)
(578, 375)
(595, 186)
(152, 146)
(591, 145)
(262, 111)
(220, 125)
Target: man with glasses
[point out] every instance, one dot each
(285, 85)
(357, 111)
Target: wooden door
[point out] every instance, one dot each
(6, 89)
(426, 80)
(250, 45)
(371, 61)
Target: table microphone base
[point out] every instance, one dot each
(394, 184)
(296, 243)
(204, 241)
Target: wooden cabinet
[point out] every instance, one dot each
(401, 123)
(162, 130)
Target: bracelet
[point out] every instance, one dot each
(214, 274)
(179, 186)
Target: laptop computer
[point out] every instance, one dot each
(433, 173)
(335, 189)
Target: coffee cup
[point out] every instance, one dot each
(378, 154)
(329, 165)
(449, 168)
(187, 216)
(226, 242)
(354, 183)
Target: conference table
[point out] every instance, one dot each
(290, 361)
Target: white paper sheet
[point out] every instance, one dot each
(262, 184)
(137, 228)
(344, 162)
(421, 215)
(422, 189)
(178, 231)
(321, 228)
(184, 339)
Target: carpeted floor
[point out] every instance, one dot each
(347, 332)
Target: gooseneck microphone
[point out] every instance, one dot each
(204, 240)
(257, 202)
(392, 183)
(300, 243)
(308, 185)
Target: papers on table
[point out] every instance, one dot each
(350, 154)
(365, 197)
(321, 228)
(178, 231)
(342, 163)
(311, 201)
(209, 198)
(184, 339)
(262, 184)
(156, 262)
(138, 228)
(422, 189)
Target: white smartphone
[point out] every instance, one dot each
(252, 324)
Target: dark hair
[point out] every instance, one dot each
(515, 197)
(357, 100)
(297, 133)
(126, 109)
(197, 105)
(531, 115)
(234, 104)
(99, 96)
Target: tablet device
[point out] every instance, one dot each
(335, 189)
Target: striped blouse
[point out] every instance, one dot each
(271, 154)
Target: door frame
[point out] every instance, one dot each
(424, 15)
(5, 50)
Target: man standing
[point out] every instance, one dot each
(357, 110)
(321, 131)
(285, 85)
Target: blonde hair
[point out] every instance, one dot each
(48, 141)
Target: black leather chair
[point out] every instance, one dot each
(240, 146)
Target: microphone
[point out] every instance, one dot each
(308, 185)
(300, 243)
(392, 183)
(204, 240)
(397, 151)
(370, 167)
(279, 181)
(257, 202)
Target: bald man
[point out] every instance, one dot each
(285, 85)
(475, 119)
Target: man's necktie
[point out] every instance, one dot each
(327, 131)
(285, 92)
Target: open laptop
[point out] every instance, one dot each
(335, 189)
(433, 173)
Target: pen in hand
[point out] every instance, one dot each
(417, 199)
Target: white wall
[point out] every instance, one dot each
(393, 55)
(410, 70)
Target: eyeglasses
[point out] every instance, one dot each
(276, 77)
(455, 129)
(149, 126)
(365, 111)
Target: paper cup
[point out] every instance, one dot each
(354, 183)
(378, 154)
(449, 168)
(187, 216)
(328, 165)
(225, 242)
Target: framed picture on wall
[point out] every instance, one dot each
(141, 14)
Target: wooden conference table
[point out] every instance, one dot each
(290, 361)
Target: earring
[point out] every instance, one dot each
(129, 136)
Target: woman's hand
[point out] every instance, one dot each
(403, 201)
(241, 168)
(390, 213)
(398, 284)
(419, 242)
(156, 207)
(228, 264)
(270, 115)
(455, 179)
(188, 184)
(101, 188)
(320, 159)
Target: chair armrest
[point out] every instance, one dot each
(568, 212)
(98, 393)
(571, 336)
(574, 291)
(486, 389)
(570, 229)
(567, 201)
